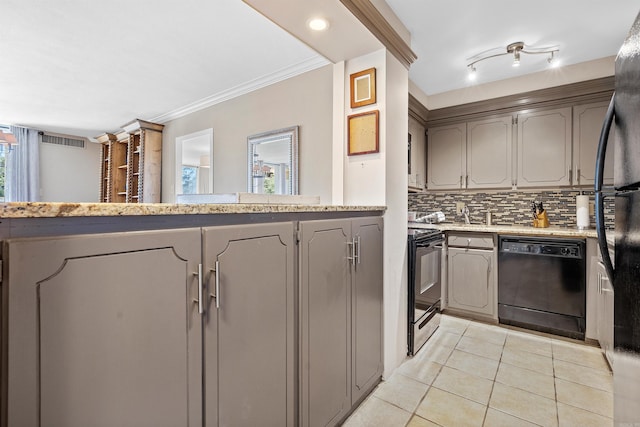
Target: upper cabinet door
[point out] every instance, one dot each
(587, 124)
(544, 148)
(489, 153)
(446, 157)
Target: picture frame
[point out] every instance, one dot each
(363, 133)
(363, 88)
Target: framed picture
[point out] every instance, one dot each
(363, 133)
(363, 88)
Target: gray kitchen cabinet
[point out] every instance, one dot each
(476, 154)
(489, 143)
(446, 157)
(417, 155)
(471, 279)
(593, 293)
(249, 325)
(587, 124)
(341, 316)
(101, 330)
(605, 313)
(366, 294)
(544, 148)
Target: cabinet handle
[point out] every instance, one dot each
(358, 248)
(200, 290)
(599, 283)
(460, 181)
(570, 175)
(578, 176)
(351, 252)
(217, 284)
(199, 300)
(466, 181)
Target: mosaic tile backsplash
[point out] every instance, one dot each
(509, 207)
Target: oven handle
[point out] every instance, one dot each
(437, 244)
(427, 319)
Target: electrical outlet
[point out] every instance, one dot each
(459, 208)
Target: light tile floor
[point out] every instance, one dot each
(474, 374)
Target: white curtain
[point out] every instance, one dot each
(22, 182)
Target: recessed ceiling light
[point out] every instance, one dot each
(318, 24)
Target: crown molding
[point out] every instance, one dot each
(234, 92)
(586, 91)
(418, 111)
(375, 22)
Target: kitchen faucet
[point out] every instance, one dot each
(465, 211)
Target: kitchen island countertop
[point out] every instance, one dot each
(517, 229)
(56, 210)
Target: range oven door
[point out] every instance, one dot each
(426, 290)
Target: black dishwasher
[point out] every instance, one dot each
(542, 284)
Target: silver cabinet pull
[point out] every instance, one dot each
(200, 290)
(217, 284)
(578, 176)
(466, 181)
(351, 255)
(358, 247)
(460, 181)
(570, 175)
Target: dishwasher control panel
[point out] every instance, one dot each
(542, 247)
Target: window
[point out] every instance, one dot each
(189, 179)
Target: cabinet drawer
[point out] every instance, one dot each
(471, 240)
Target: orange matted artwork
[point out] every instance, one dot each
(363, 133)
(363, 88)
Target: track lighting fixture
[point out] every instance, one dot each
(515, 49)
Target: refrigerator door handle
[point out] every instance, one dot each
(599, 202)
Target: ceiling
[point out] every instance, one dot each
(446, 33)
(85, 68)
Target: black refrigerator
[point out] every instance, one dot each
(624, 272)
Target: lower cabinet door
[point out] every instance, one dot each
(102, 330)
(325, 313)
(471, 281)
(366, 293)
(249, 325)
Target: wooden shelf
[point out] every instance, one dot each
(130, 157)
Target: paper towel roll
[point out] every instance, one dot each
(582, 211)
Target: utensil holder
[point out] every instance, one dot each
(541, 220)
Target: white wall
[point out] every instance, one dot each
(69, 174)
(364, 174)
(395, 231)
(381, 179)
(305, 100)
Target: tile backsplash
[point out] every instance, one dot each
(508, 207)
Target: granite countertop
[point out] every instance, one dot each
(509, 229)
(53, 210)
